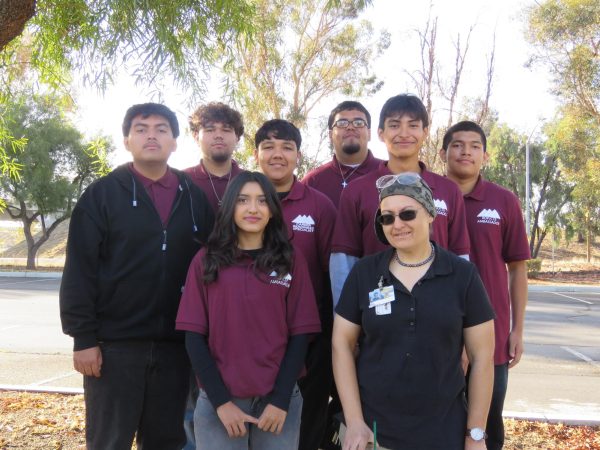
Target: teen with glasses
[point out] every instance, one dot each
(248, 311)
(403, 127)
(349, 126)
(411, 309)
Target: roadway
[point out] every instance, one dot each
(557, 379)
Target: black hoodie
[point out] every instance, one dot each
(124, 270)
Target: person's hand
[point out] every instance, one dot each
(358, 435)
(464, 361)
(515, 348)
(470, 444)
(234, 419)
(272, 419)
(88, 361)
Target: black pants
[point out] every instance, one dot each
(315, 388)
(495, 423)
(142, 389)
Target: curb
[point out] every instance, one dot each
(567, 419)
(40, 389)
(52, 275)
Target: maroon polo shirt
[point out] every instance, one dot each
(162, 191)
(310, 218)
(498, 236)
(248, 318)
(328, 177)
(354, 232)
(212, 185)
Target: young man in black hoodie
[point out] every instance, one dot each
(132, 236)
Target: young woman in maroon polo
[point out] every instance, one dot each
(248, 309)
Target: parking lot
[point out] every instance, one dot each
(556, 379)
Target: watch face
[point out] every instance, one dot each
(477, 434)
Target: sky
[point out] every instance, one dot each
(520, 95)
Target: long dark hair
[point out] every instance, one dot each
(222, 246)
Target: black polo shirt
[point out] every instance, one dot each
(409, 372)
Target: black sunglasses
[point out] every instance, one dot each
(406, 216)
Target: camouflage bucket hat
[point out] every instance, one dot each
(409, 184)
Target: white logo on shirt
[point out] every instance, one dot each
(490, 216)
(440, 207)
(304, 223)
(283, 281)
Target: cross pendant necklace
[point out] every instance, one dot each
(344, 182)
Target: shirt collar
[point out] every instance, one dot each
(166, 181)
(296, 191)
(365, 162)
(478, 192)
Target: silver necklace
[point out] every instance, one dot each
(219, 201)
(420, 263)
(344, 182)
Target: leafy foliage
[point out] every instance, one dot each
(301, 53)
(148, 39)
(55, 165)
(566, 36)
(549, 190)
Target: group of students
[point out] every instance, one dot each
(237, 274)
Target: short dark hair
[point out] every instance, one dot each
(222, 246)
(348, 105)
(404, 104)
(465, 125)
(149, 109)
(216, 112)
(278, 129)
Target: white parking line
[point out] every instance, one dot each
(573, 298)
(48, 380)
(581, 356)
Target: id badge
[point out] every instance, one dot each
(381, 296)
(382, 310)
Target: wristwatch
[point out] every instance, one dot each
(477, 434)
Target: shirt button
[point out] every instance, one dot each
(408, 354)
(412, 309)
(412, 323)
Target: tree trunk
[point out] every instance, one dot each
(31, 252)
(14, 14)
(31, 247)
(588, 229)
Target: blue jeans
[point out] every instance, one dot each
(211, 434)
(495, 424)
(141, 392)
(188, 421)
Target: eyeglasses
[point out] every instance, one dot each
(405, 216)
(404, 178)
(344, 123)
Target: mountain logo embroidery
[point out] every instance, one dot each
(490, 216)
(304, 222)
(440, 207)
(283, 281)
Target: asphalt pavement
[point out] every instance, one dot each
(558, 378)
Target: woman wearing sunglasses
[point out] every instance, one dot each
(248, 310)
(411, 309)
